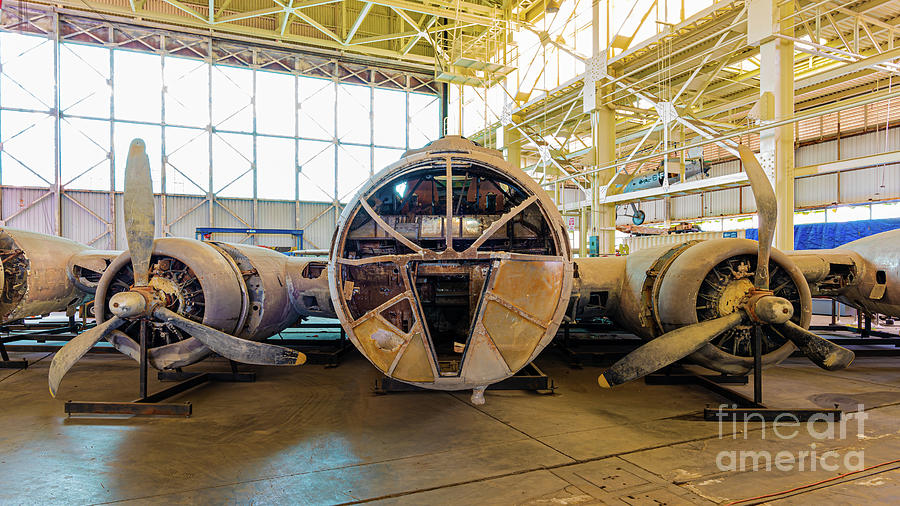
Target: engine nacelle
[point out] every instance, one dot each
(43, 273)
(239, 289)
(450, 269)
(864, 273)
(674, 286)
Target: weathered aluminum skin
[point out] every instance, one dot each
(523, 299)
(263, 274)
(308, 289)
(85, 267)
(38, 281)
(597, 287)
(864, 273)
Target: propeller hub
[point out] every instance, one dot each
(766, 308)
(132, 303)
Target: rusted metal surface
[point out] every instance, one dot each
(36, 280)
(451, 269)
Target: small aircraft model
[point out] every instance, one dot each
(450, 269)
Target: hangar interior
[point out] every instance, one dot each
(457, 217)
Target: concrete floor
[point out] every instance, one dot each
(316, 435)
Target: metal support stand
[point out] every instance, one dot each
(151, 405)
(750, 409)
(40, 332)
(743, 408)
(529, 378)
(327, 352)
(6, 363)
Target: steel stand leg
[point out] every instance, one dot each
(143, 373)
(757, 365)
(147, 404)
(756, 410)
(6, 363)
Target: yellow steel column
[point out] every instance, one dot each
(582, 231)
(603, 137)
(776, 103)
(512, 146)
(603, 216)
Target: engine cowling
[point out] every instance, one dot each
(672, 287)
(242, 290)
(43, 273)
(450, 269)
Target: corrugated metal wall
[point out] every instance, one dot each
(848, 187)
(85, 214)
(39, 217)
(638, 243)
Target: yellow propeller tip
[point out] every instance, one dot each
(301, 359)
(52, 393)
(602, 381)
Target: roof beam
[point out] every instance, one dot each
(238, 16)
(359, 20)
(415, 39)
(184, 8)
(319, 26)
(460, 11)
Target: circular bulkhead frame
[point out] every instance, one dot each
(450, 268)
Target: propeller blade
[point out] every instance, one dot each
(820, 351)
(66, 357)
(231, 347)
(667, 349)
(766, 209)
(139, 211)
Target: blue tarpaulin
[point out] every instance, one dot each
(832, 235)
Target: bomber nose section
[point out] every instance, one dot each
(451, 269)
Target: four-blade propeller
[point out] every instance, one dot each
(142, 303)
(760, 307)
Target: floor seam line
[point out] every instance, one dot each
(449, 485)
(529, 436)
(25, 368)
